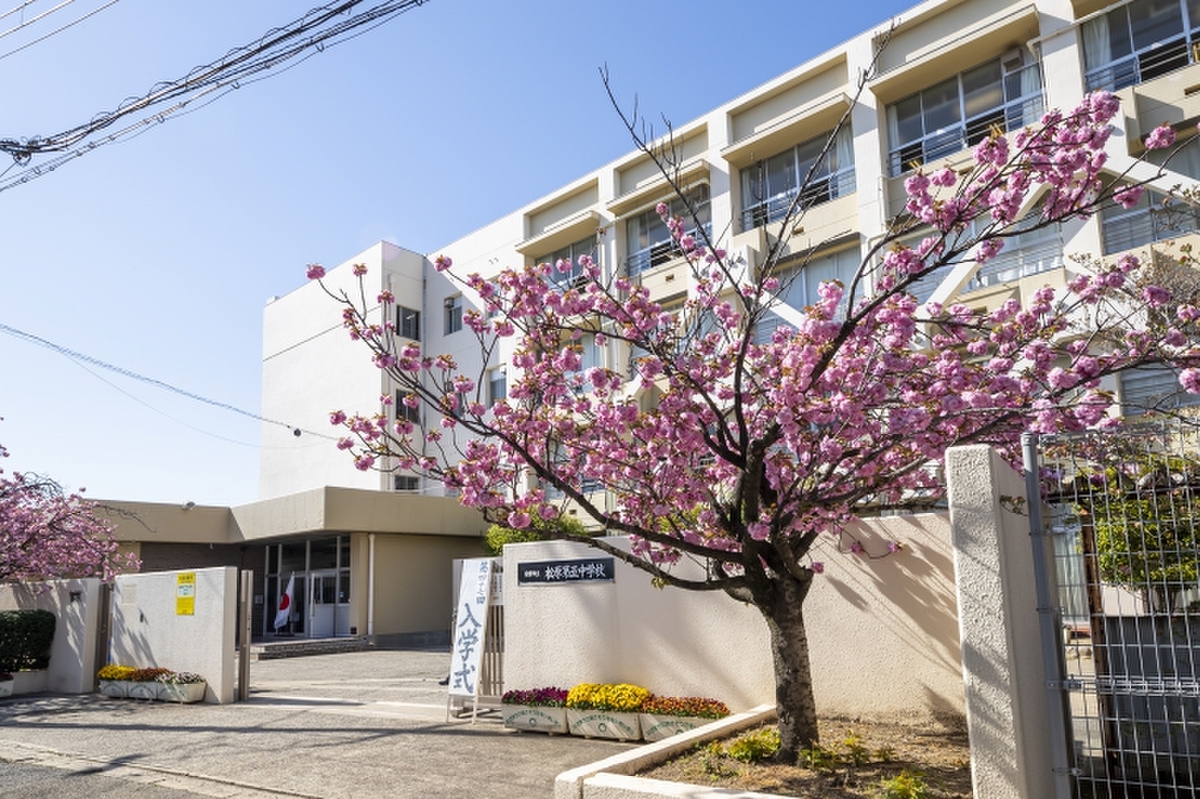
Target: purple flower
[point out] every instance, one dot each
(817, 567)
(315, 272)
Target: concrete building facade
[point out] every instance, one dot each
(940, 76)
(918, 90)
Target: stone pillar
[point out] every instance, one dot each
(1004, 678)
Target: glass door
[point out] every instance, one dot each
(322, 595)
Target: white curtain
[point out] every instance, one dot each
(1097, 48)
(843, 150)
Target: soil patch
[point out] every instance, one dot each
(857, 756)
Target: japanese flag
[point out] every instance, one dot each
(285, 604)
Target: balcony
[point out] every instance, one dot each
(1013, 114)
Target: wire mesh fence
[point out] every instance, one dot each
(1124, 519)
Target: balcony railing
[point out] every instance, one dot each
(1018, 263)
(658, 254)
(830, 187)
(1147, 63)
(1147, 225)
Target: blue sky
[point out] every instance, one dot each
(158, 253)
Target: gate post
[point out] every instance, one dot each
(1003, 674)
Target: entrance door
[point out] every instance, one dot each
(322, 593)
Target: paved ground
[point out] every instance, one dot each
(359, 724)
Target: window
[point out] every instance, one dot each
(770, 186)
(1028, 253)
(570, 469)
(403, 411)
(648, 241)
(454, 314)
(407, 482)
(497, 386)
(408, 323)
(799, 285)
(1147, 388)
(569, 255)
(1151, 219)
(1003, 94)
(1139, 41)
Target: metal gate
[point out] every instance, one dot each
(1121, 514)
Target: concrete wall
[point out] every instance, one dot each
(76, 605)
(883, 633)
(413, 591)
(146, 631)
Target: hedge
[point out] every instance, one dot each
(25, 639)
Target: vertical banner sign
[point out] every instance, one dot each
(185, 594)
(470, 624)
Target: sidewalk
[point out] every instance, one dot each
(357, 724)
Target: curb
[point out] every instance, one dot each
(610, 778)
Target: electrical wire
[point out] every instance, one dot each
(317, 30)
(54, 32)
(88, 359)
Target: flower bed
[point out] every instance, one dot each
(152, 683)
(664, 716)
(606, 710)
(539, 710)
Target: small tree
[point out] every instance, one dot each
(739, 451)
(46, 533)
(539, 529)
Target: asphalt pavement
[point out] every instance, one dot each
(358, 724)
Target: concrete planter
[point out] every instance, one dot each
(143, 690)
(118, 689)
(658, 728)
(30, 682)
(6, 687)
(535, 718)
(187, 693)
(604, 724)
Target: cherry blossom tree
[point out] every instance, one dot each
(739, 450)
(46, 533)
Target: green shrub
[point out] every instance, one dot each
(754, 746)
(25, 639)
(540, 529)
(905, 785)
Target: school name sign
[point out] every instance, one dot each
(552, 572)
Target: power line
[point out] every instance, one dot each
(316, 30)
(54, 32)
(81, 357)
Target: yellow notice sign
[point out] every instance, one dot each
(185, 594)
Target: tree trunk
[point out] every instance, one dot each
(794, 699)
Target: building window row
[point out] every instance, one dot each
(572, 275)
(818, 170)
(648, 240)
(454, 314)
(1000, 95)
(408, 323)
(1139, 41)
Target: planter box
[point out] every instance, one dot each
(537, 719)
(604, 724)
(188, 693)
(657, 728)
(143, 690)
(6, 687)
(30, 682)
(118, 689)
